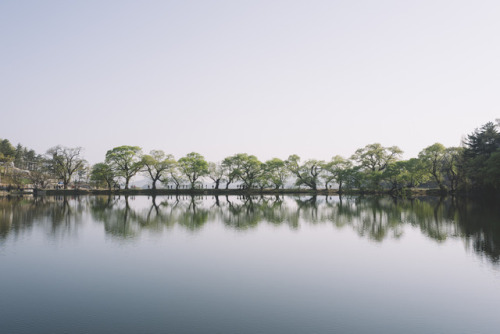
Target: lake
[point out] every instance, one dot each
(166, 264)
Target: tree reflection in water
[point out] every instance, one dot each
(59, 216)
(477, 222)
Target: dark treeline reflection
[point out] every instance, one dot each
(477, 222)
(58, 216)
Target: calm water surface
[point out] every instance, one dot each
(249, 265)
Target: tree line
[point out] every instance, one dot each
(474, 166)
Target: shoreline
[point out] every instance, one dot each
(223, 192)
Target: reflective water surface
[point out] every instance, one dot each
(249, 265)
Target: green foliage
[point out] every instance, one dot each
(354, 178)
(156, 164)
(263, 181)
(193, 166)
(453, 160)
(275, 172)
(416, 172)
(231, 167)
(244, 167)
(125, 161)
(22, 157)
(480, 146)
(433, 160)
(375, 157)
(405, 174)
(173, 175)
(372, 160)
(250, 169)
(475, 166)
(307, 174)
(103, 174)
(491, 171)
(483, 141)
(336, 170)
(396, 175)
(7, 151)
(216, 172)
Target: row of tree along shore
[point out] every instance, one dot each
(233, 191)
(472, 167)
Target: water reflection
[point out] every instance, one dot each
(374, 218)
(59, 216)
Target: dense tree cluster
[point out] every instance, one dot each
(19, 156)
(20, 165)
(473, 166)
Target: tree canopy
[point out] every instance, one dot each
(125, 161)
(193, 166)
(474, 166)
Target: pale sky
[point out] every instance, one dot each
(269, 78)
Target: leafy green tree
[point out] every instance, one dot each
(263, 180)
(7, 151)
(174, 176)
(307, 174)
(125, 161)
(433, 158)
(452, 162)
(354, 178)
(335, 171)
(216, 173)
(396, 175)
(193, 166)
(242, 167)
(103, 173)
(416, 172)
(276, 172)
(157, 163)
(375, 157)
(65, 162)
(83, 175)
(250, 169)
(232, 169)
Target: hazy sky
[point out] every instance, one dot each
(270, 78)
